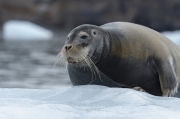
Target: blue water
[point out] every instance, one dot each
(29, 64)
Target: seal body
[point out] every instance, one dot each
(127, 55)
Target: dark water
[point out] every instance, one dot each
(29, 64)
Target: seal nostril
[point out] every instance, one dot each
(68, 47)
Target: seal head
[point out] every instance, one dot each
(83, 45)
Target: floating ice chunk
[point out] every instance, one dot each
(25, 30)
(173, 35)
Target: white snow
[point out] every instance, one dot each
(25, 30)
(85, 102)
(173, 35)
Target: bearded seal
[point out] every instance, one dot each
(123, 54)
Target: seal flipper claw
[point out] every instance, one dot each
(139, 89)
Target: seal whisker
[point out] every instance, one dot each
(59, 54)
(83, 63)
(91, 71)
(95, 68)
(61, 60)
(90, 66)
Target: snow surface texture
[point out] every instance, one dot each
(86, 102)
(25, 30)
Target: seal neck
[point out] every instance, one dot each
(112, 45)
(104, 48)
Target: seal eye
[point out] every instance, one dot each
(83, 37)
(94, 33)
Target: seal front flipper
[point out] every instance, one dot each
(167, 76)
(137, 88)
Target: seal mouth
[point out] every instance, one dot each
(73, 60)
